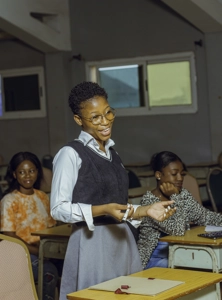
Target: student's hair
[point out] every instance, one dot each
(83, 92)
(163, 159)
(15, 161)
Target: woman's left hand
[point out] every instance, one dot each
(168, 189)
(161, 211)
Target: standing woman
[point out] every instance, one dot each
(90, 190)
(25, 209)
(169, 172)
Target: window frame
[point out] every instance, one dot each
(25, 114)
(92, 75)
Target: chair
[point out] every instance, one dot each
(46, 182)
(190, 183)
(47, 161)
(133, 179)
(15, 270)
(3, 171)
(214, 188)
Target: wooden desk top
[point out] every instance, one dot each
(148, 173)
(60, 231)
(191, 238)
(193, 281)
(201, 182)
(137, 192)
(137, 164)
(203, 165)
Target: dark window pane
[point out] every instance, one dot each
(21, 93)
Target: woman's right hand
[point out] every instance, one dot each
(168, 189)
(117, 210)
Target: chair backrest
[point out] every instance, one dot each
(214, 187)
(16, 276)
(133, 179)
(47, 161)
(46, 182)
(190, 183)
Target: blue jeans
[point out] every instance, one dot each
(50, 277)
(159, 257)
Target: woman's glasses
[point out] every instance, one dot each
(97, 119)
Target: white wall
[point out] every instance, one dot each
(116, 29)
(129, 28)
(22, 134)
(214, 72)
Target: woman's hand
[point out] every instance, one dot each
(168, 189)
(114, 210)
(159, 211)
(117, 211)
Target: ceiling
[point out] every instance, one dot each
(6, 36)
(206, 15)
(203, 14)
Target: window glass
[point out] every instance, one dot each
(151, 85)
(169, 84)
(21, 93)
(123, 84)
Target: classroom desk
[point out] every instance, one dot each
(148, 174)
(200, 170)
(53, 244)
(145, 174)
(201, 182)
(3, 170)
(3, 185)
(135, 194)
(209, 164)
(198, 285)
(147, 178)
(138, 166)
(191, 251)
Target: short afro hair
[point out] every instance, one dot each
(83, 92)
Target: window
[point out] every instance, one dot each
(164, 84)
(22, 93)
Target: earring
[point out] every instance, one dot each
(158, 178)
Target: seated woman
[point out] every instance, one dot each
(25, 209)
(169, 172)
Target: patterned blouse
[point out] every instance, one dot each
(188, 210)
(24, 214)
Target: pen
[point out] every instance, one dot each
(127, 212)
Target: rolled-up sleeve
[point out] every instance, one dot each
(66, 165)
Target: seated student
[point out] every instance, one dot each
(169, 173)
(25, 209)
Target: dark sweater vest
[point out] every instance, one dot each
(100, 180)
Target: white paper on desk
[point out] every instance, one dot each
(210, 228)
(138, 285)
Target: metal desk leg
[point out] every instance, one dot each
(40, 269)
(49, 248)
(209, 250)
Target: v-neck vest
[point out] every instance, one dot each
(100, 180)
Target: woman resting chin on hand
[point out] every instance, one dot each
(169, 172)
